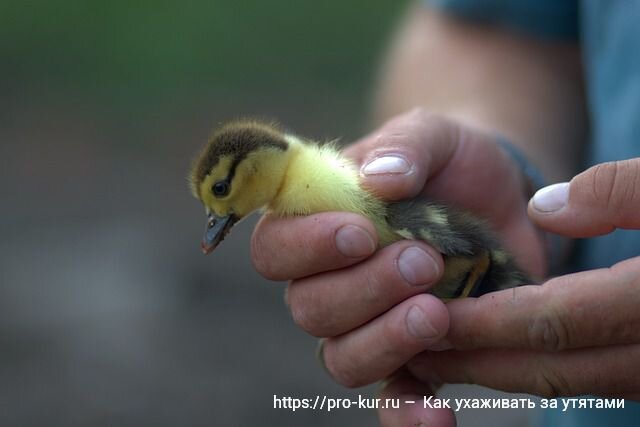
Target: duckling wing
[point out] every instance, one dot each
(475, 263)
(451, 231)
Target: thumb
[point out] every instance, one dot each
(397, 159)
(595, 202)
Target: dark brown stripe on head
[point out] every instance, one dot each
(238, 139)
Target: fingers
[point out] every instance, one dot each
(295, 247)
(377, 349)
(421, 150)
(593, 308)
(605, 371)
(419, 153)
(401, 390)
(602, 198)
(397, 159)
(330, 304)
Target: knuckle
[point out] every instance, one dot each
(624, 194)
(438, 125)
(288, 249)
(548, 331)
(314, 240)
(390, 330)
(373, 284)
(551, 383)
(613, 188)
(603, 181)
(613, 185)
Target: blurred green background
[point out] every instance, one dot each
(110, 314)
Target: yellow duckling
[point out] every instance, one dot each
(249, 165)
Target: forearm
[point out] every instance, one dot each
(530, 91)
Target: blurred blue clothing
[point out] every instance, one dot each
(609, 33)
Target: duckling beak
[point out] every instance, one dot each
(215, 231)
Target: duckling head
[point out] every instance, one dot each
(239, 171)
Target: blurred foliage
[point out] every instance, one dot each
(156, 49)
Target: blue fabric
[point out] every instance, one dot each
(609, 32)
(544, 18)
(611, 40)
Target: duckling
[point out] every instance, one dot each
(250, 165)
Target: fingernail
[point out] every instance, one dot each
(353, 241)
(551, 198)
(417, 267)
(394, 164)
(418, 325)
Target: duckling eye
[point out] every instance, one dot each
(221, 188)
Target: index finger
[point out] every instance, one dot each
(295, 247)
(591, 308)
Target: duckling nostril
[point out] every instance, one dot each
(216, 229)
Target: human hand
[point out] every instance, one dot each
(371, 308)
(576, 334)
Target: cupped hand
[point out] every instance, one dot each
(371, 306)
(576, 334)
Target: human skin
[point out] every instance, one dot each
(529, 91)
(372, 308)
(574, 334)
